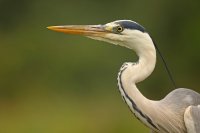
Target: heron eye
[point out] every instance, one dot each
(119, 29)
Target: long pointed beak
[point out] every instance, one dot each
(86, 30)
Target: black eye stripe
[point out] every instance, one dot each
(131, 25)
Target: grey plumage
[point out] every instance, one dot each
(192, 119)
(172, 109)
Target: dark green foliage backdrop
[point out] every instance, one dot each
(56, 83)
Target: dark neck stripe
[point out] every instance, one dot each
(132, 102)
(166, 131)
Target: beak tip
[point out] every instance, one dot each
(49, 27)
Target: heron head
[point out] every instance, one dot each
(121, 32)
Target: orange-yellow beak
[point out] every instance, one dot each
(86, 30)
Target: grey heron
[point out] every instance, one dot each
(177, 112)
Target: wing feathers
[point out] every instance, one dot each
(192, 119)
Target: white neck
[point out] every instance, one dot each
(134, 73)
(146, 51)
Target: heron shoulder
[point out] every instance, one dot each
(182, 94)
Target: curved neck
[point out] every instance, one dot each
(132, 73)
(146, 52)
(145, 65)
(137, 72)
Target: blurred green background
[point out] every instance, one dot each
(56, 83)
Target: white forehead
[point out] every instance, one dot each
(116, 23)
(111, 24)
